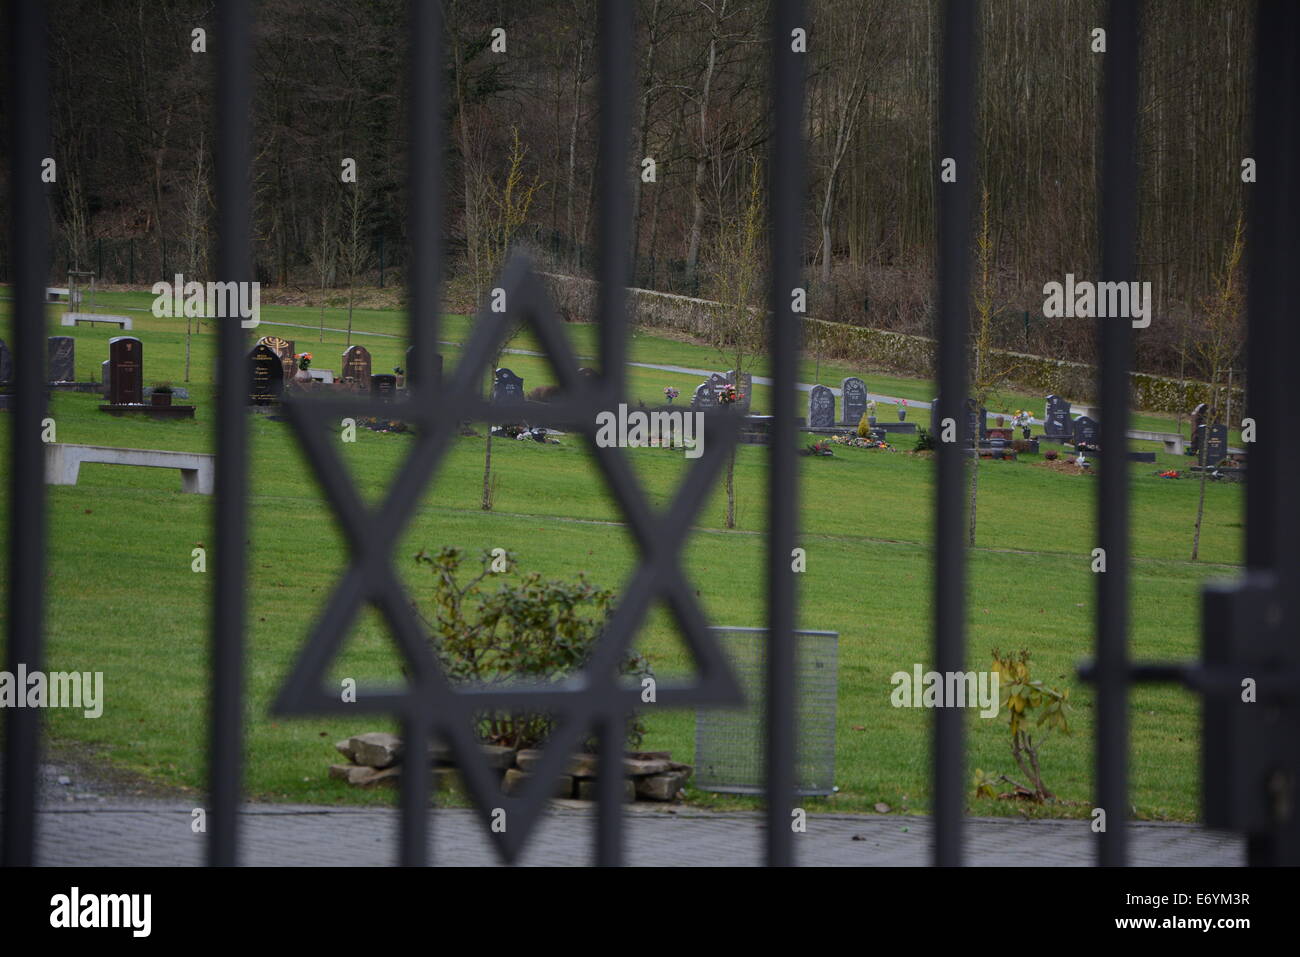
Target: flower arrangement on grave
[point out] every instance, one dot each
(1170, 474)
(818, 448)
(862, 442)
(304, 361)
(871, 412)
(902, 410)
(729, 394)
(1022, 420)
(670, 393)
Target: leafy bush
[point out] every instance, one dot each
(1022, 697)
(924, 441)
(526, 629)
(864, 427)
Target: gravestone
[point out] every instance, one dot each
(125, 371)
(704, 397)
(1056, 418)
(105, 375)
(284, 349)
(268, 375)
(356, 366)
(745, 386)
(507, 388)
(384, 387)
(853, 399)
(1087, 431)
(413, 375)
(1216, 444)
(821, 408)
(6, 363)
(62, 352)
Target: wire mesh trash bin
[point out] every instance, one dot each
(729, 742)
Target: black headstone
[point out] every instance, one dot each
(356, 365)
(821, 407)
(704, 397)
(1087, 431)
(507, 388)
(1216, 444)
(63, 365)
(268, 375)
(1056, 418)
(6, 363)
(853, 398)
(125, 371)
(384, 387)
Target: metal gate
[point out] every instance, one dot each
(1250, 752)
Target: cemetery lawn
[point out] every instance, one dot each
(122, 598)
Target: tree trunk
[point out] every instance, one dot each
(731, 489)
(486, 504)
(974, 490)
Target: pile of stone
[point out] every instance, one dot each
(375, 760)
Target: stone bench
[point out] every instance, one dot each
(63, 463)
(75, 318)
(1172, 440)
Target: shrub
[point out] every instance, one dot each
(1022, 697)
(1051, 455)
(527, 628)
(924, 441)
(864, 427)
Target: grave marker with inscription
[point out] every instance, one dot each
(507, 388)
(284, 349)
(1087, 431)
(853, 399)
(704, 397)
(821, 408)
(125, 371)
(62, 353)
(268, 375)
(384, 387)
(1056, 418)
(356, 366)
(745, 386)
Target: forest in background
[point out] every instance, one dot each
(131, 119)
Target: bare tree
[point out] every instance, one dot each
(506, 210)
(324, 255)
(1216, 349)
(355, 252)
(739, 327)
(198, 201)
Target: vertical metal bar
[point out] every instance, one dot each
(225, 768)
(428, 139)
(614, 203)
(609, 796)
(956, 142)
(785, 196)
(613, 257)
(1118, 222)
(424, 276)
(415, 784)
(29, 144)
(1272, 508)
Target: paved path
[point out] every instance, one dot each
(157, 833)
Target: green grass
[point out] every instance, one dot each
(123, 599)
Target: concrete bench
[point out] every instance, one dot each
(1172, 440)
(63, 463)
(75, 318)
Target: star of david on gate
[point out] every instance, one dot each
(429, 701)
